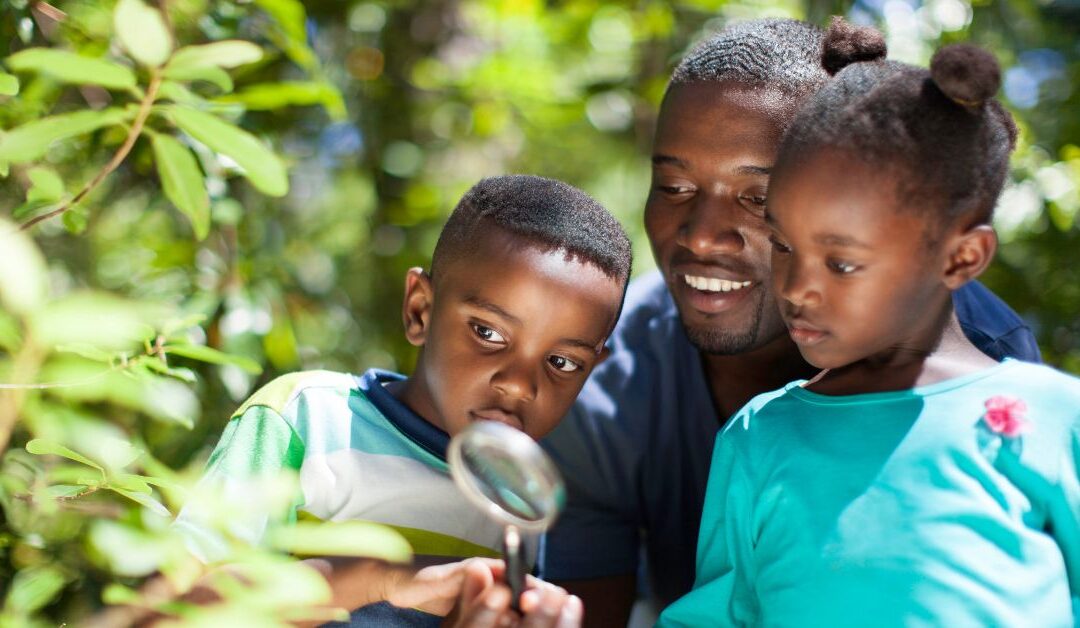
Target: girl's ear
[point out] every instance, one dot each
(416, 306)
(969, 253)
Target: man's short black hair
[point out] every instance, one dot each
(542, 212)
(939, 132)
(779, 53)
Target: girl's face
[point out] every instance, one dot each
(853, 271)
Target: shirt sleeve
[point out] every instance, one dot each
(722, 593)
(254, 464)
(1064, 515)
(992, 326)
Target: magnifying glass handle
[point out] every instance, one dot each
(515, 565)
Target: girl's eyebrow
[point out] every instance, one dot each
(834, 239)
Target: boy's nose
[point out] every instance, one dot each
(711, 228)
(516, 382)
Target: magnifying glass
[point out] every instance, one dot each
(508, 476)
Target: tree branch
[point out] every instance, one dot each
(117, 159)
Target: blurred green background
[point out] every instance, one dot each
(435, 95)
(385, 112)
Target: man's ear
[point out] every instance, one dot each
(416, 306)
(968, 254)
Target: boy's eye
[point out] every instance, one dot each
(842, 268)
(755, 201)
(488, 334)
(779, 246)
(563, 364)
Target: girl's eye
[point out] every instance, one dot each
(842, 268)
(488, 334)
(562, 364)
(779, 246)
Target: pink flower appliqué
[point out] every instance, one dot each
(1005, 416)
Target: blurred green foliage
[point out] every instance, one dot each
(195, 272)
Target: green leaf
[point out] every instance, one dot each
(182, 181)
(30, 141)
(180, 373)
(129, 482)
(261, 166)
(42, 447)
(152, 504)
(66, 490)
(114, 323)
(182, 324)
(292, 20)
(213, 356)
(117, 594)
(346, 538)
(142, 32)
(69, 67)
(33, 588)
(9, 85)
(75, 220)
(266, 96)
(213, 75)
(88, 351)
(230, 53)
(178, 93)
(24, 280)
(46, 185)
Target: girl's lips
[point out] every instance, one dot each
(806, 336)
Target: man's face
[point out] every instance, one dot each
(855, 273)
(513, 333)
(714, 147)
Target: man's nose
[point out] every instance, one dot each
(712, 228)
(515, 381)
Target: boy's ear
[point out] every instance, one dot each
(605, 353)
(416, 306)
(968, 254)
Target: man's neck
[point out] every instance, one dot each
(736, 379)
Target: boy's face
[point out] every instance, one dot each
(854, 272)
(509, 334)
(714, 147)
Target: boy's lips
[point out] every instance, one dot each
(499, 416)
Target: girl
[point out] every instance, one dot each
(914, 481)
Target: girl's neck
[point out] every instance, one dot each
(952, 356)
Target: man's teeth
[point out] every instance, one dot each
(712, 284)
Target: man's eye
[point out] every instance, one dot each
(757, 200)
(779, 246)
(674, 189)
(842, 268)
(488, 334)
(562, 364)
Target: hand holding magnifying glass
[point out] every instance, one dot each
(508, 476)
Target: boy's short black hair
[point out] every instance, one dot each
(939, 132)
(779, 53)
(543, 212)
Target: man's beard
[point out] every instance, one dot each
(727, 342)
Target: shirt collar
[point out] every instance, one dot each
(411, 424)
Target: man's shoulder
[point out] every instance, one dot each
(283, 391)
(992, 325)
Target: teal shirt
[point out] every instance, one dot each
(894, 509)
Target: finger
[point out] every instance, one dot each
(477, 577)
(547, 611)
(573, 613)
(488, 611)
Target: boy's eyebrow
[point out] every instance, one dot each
(662, 160)
(491, 307)
(754, 170)
(834, 239)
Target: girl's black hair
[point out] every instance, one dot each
(939, 132)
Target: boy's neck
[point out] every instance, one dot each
(409, 392)
(953, 356)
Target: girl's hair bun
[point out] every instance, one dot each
(967, 74)
(846, 43)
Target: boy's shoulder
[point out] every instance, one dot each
(281, 392)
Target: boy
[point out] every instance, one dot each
(526, 284)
